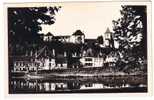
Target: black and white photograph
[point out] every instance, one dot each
(88, 47)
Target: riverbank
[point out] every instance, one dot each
(54, 82)
(120, 90)
(82, 72)
(112, 84)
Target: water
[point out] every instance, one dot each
(80, 84)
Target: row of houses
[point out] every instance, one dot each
(50, 63)
(89, 54)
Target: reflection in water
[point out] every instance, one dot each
(47, 86)
(34, 86)
(19, 85)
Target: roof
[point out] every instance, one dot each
(41, 34)
(90, 40)
(89, 43)
(59, 37)
(20, 58)
(108, 30)
(78, 32)
(74, 61)
(61, 60)
(49, 34)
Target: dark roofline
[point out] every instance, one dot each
(62, 36)
(59, 37)
(41, 34)
(78, 32)
(90, 40)
(21, 58)
(49, 34)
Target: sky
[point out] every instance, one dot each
(92, 19)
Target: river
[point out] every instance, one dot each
(117, 84)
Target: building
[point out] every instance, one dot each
(111, 58)
(92, 61)
(45, 58)
(61, 61)
(24, 64)
(91, 58)
(47, 63)
(63, 39)
(108, 38)
(49, 59)
(77, 37)
(72, 52)
(48, 37)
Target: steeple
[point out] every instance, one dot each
(108, 34)
(107, 30)
(108, 37)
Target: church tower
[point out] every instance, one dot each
(108, 38)
(108, 34)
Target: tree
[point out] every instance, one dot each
(100, 39)
(24, 25)
(130, 31)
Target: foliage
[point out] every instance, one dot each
(100, 39)
(130, 31)
(24, 25)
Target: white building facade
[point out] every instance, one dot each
(92, 61)
(46, 63)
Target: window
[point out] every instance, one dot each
(38, 64)
(50, 64)
(79, 39)
(20, 63)
(15, 64)
(88, 59)
(88, 64)
(43, 64)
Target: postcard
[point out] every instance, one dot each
(78, 47)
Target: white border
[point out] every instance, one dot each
(42, 96)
